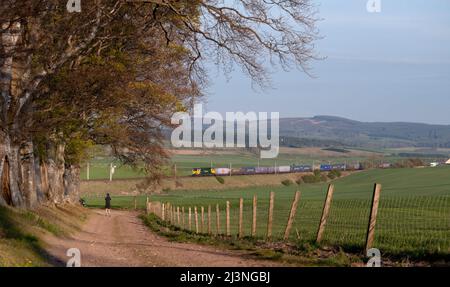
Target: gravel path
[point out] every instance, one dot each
(123, 240)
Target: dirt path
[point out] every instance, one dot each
(123, 240)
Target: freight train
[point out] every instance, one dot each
(223, 171)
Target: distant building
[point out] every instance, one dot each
(434, 164)
(447, 162)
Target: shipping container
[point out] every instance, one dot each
(326, 167)
(264, 170)
(222, 171)
(339, 166)
(248, 170)
(301, 168)
(243, 171)
(284, 169)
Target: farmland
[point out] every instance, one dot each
(413, 217)
(185, 160)
(99, 168)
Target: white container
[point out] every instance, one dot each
(284, 168)
(222, 171)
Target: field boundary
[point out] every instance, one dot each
(357, 233)
(171, 214)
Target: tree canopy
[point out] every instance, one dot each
(115, 72)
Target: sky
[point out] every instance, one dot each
(387, 66)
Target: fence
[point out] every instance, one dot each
(395, 225)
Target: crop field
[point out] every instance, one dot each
(413, 217)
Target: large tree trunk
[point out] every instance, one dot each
(55, 168)
(27, 174)
(10, 173)
(5, 191)
(40, 171)
(22, 184)
(16, 150)
(72, 183)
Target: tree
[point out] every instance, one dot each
(120, 97)
(40, 39)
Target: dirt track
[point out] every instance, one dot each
(123, 240)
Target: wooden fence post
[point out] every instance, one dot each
(182, 217)
(255, 201)
(190, 219)
(325, 213)
(292, 215)
(217, 219)
(241, 217)
(209, 219)
(373, 217)
(228, 231)
(196, 219)
(163, 206)
(270, 217)
(135, 202)
(202, 222)
(178, 215)
(167, 209)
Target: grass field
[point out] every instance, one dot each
(413, 219)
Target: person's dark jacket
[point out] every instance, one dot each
(108, 202)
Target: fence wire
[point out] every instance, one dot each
(417, 225)
(414, 224)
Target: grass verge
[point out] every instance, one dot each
(21, 233)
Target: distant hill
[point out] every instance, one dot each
(330, 130)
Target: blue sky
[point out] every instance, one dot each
(388, 66)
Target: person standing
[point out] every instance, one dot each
(108, 204)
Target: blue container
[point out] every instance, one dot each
(301, 168)
(326, 167)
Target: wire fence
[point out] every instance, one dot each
(416, 225)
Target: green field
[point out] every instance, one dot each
(413, 219)
(99, 167)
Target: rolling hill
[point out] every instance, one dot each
(320, 130)
(331, 131)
